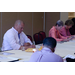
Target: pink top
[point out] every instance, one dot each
(55, 34)
(64, 32)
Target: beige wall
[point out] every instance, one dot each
(34, 21)
(63, 16)
(8, 20)
(0, 30)
(27, 18)
(37, 22)
(51, 19)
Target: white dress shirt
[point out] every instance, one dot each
(11, 40)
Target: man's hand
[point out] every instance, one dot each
(27, 44)
(23, 48)
(65, 40)
(32, 46)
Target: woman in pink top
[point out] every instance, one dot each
(54, 32)
(65, 29)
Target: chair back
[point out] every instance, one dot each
(38, 38)
(43, 34)
(30, 38)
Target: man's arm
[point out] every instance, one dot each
(27, 44)
(26, 47)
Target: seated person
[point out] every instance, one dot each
(15, 38)
(65, 29)
(54, 32)
(47, 53)
(72, 29)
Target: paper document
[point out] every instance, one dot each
(13, 58)
(70, 56)
(72, 41)
(1, 58)
(5, 53)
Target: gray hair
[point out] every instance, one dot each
(59, 23)
(18, 22)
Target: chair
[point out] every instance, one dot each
(30, 38)
(38, 38)
(43, 34)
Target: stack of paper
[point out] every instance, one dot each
(68, 56)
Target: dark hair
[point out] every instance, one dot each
(73, 19)
(49, 42)
(69, 22)
(59, 23)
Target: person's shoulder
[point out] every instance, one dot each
(52, 28)
(63, 27)
(37, 52)
(57, 55)
(22, 32)
(8, 31)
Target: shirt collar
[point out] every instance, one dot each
(47, 49)
(15, 30)
(55, 28)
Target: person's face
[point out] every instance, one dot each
(20, 28)
(59, 27)
(68, 27)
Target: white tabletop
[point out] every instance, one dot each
(62, 49)
(24, 56)
(65, 48)
(16, 54)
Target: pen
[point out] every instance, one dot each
(15, 60)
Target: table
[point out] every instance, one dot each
(17, 54)
(65, 48)
(62, 49)
(24, 56)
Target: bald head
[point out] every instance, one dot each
(19, 25)
(18, 22)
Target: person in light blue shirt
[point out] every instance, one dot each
(47, 53)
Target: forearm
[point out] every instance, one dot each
(23, 47)
(27, 44)
(26, 47)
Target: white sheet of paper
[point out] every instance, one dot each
(5, 53)
(70, 56)
(1, 57)
(13, 58)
